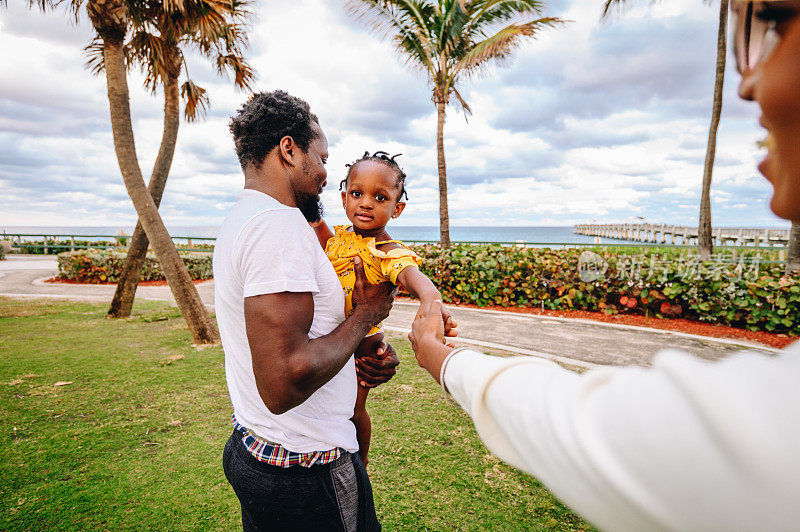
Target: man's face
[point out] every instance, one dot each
(312, 177)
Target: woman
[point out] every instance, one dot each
(686, 444)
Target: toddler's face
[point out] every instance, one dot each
(371, 198)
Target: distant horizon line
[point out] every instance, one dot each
(2, 226)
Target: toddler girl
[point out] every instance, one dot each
(371, 194)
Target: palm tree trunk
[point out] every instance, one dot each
(194, 312)
(444, 216)
(705, 243)
(793, 254)
(124, 295)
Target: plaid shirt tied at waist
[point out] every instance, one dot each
(275, 454)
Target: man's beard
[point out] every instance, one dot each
(311, 206)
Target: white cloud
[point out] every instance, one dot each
(592, 121)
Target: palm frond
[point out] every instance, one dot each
(462, 102)
(407, 22)
(453, 20)
(174, 5)
(158, 58)
(498, 47)
(411, 50)
(95, 61)
(243, 75)
(41, 4)
(616, 7)
(197, 101)
(487, 13)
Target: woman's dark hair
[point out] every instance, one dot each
(383, 158)
(265, 119)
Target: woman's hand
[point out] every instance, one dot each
(450, 324)
(427, 337)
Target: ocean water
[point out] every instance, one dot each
(532, 234)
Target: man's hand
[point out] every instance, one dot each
(428, 340)
(374, 371)
(371, 302)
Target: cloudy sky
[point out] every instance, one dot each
(594, 121)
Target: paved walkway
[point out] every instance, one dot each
(580, 343)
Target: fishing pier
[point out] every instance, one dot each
(674, 234)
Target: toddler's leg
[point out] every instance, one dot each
(361, 418)
(363, 423)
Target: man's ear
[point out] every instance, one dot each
(288, 150)
(398, 208)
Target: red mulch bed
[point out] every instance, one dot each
(56, 280)
(672, 324)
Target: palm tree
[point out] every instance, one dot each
(110, 20)
(159, 34)
(705, 242)
(451, 40)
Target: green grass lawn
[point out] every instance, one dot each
(135, 440)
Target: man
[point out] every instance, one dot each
(288, 349)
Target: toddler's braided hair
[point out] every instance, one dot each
(383, 158)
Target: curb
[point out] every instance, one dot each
(40, 281)
(511, 349)
(726, 341)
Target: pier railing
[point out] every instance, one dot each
(671, 234)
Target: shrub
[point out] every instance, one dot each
(98, 266)
(661, 283)
(2, 252)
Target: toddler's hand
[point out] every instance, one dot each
(449, 324)
(375, 371)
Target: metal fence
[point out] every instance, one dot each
(51, 243)
(71, 242)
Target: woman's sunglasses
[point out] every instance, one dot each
(754, 35)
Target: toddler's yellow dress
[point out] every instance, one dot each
(379, 266)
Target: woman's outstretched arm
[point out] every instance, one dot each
(685, 445)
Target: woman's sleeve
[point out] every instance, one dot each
(684, 445)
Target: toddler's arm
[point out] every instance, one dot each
(323, 231)
(419, 286)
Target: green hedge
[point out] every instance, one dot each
(54, 247)
(2, 252)
(664, 283)
(98, 266)
(661, 283)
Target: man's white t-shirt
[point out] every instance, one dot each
(265, 247)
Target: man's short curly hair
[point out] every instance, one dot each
(265, 119)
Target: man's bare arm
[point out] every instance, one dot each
(288, 366)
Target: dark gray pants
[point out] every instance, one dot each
(335, 496)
